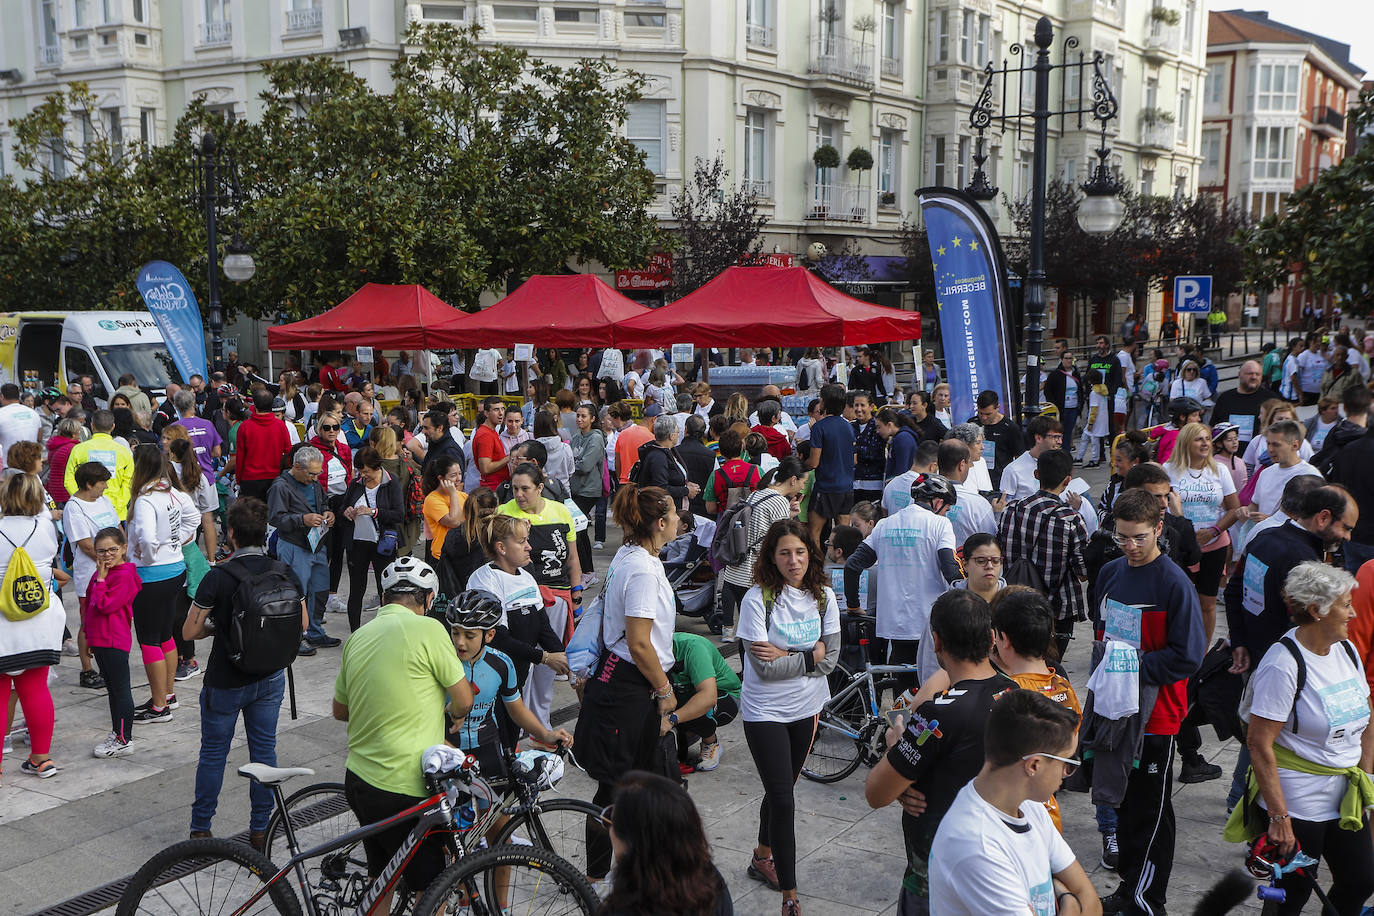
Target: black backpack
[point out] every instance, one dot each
(265, 621)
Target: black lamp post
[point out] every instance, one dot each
(1096, 212)
(217, 183)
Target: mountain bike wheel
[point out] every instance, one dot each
(518, 879)
(564, 821)
(215, 875)
(835, 752)
(319, 813)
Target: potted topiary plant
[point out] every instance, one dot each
(826, 157)
(1165, 15)
(860, 160)
(887, 198)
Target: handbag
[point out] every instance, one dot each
(387, 542)
(588, 641)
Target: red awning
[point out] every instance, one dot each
(768, 306)
(380, 315)
(567, 310)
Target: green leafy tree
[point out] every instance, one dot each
(1325, 234)
(719, 225)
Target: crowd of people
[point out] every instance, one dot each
(967, 546)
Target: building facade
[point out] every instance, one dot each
(1274, 117)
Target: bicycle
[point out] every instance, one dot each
(321, 813)
(225, 876)
(851, 727)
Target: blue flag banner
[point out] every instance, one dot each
(970, 288)
(173, 306)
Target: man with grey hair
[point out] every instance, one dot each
(202, 433)
(785, 421)
(298, 508)
(971, 434)
(660, 465)
(682, 409)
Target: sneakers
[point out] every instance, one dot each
(148, 704)
(727, 634)
(335, 605)
(305, 650)
(187, 668)
(112, 746)
(1111, 853)
(710, 757)
(324, 642)
(1115, 902)
(151, 715)
(69, 648)
(92, 680)
(1198, 770)
(764, 870)
(598, 546)
(43, 770)
(590, 579)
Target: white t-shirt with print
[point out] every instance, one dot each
(1333, 712)
(909, 578)
(897, 493)
(518, 590)
(636, 586)
(1269, 488)
(971, 513)
(1201, 493)
(795, 621)
(81, 520)
(987, 863)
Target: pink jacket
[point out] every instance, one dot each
(110, 608)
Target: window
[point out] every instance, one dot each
(147, 127)
(1211, 156)
(962, 176)
(1214, 90)
(216, 10)
(889, 148)
(634, 19)
(758, 126)
(47, 24)
(56, 157)
(892, 31)
(505, 12)
(942, 35)
(1071, 171)
(937, 175)
(80, 42)
(1151, 92)
(827, 133)
(1180, 187)
(1147, 181)
(140, 11)
(758, 23)
(1189, 23)
(966, 37)
(1272, 152)
(437, 12)
(107, 11)
(114, 130)
(79, 14)
(645, 127)
(1023, 175)
(141, 39)
(984, 32)
(1185, 113)
(86, 130)
(575, 16)
(1274, 87)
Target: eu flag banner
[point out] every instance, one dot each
(970, 288)
(173, 306)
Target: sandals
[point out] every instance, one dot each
(43, 769)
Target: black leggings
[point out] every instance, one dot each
(1207, 579)
(155, 610)
(779, 749)
(361, 555)
(1348, 854)
(114, 668)
(584, 543)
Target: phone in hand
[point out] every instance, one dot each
(896, 717)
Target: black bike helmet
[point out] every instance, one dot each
(474, 609)
(1181, 407)
(928, 487)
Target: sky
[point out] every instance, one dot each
(1347, 21)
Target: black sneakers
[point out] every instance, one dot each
(1198, 770)
(1111, 853)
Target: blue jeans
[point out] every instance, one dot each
(1069, 417)
(312, 575)
(260, 704)
(1106, 819)
(1356, 555)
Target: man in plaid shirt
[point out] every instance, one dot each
(1042, 530)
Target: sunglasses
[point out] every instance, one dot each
(325, 427)
(1071, 764)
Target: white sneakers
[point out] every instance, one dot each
(113, 747)
(727, 634)
(710, 757)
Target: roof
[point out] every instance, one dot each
(1227, 27)
(381, 315)
(566, 310)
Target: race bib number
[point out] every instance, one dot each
(990, 452)
(1121, 622)
(1245, 425)
(1252, 598)
(1347, 711)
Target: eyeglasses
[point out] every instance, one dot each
(325, 427)
(1139, 540)
(1071, 764)
(607, 815)
(988, 562)
(108, 551)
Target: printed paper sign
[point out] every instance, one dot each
(682, 353)
(524, 353)
(364, 354)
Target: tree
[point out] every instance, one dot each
(719, 225)
(1325, 234)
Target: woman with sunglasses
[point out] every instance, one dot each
(790, 621)
(1191, 384)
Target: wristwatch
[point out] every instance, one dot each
(672, 718)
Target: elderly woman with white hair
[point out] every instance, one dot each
(1310, 747)
(661, 466)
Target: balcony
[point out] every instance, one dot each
(216, 33)
(891, 66)
(760, 188)
(304, 22)
(1156, 132)
(1162, 41)
(1330, 122)
(842, 60)
(759, 36)
(49, 55)
(842, 203)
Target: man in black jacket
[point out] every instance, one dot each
(434, 426)
(699, 460)
(1348, 430)
(1177, 541)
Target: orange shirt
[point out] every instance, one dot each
(1361, 629)
(627, 444)
(1060, 690)
(436, 506)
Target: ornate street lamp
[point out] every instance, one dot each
(217, 184)
(1102, 189)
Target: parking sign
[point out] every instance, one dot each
(1193, 295)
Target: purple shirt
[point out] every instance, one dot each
(204, 437)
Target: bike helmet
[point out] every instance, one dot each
(409, 575)
(1222, 429)
(474, 609)
(1181, 407)
(928, 487)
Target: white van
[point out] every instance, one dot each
(38, 349)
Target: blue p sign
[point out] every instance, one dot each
(1193, 295)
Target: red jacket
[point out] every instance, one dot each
(778, 446)
(259, 445)
(340, 452)
(110, 608)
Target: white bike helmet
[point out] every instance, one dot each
(409, 574)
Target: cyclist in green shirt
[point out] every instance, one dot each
(707, 691)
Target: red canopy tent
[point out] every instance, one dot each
(568, 310)
(380, 315)
(768, 306)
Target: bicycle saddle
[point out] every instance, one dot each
(272, 776)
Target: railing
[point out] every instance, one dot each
(1328, 117)
(216, 33)
(759, 36)
(1161, 38)
(842, 58)
(49, 56)
(1158, 134)
(760, 188)
(309, 20)
(846, 203)
(891, 66)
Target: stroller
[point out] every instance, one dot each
(687, 562)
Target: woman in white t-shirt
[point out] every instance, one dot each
(1207, 495)
(791, 623)
(629, 694)
(1320, 723)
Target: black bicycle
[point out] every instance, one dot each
(227, 876)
